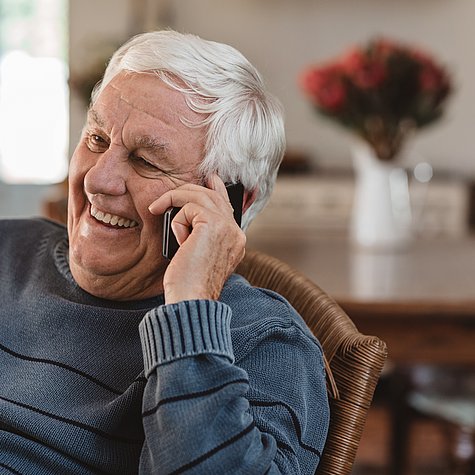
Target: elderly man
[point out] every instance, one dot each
(116, 360)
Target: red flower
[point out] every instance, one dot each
(396, 84)
(367, 72)
(384, 48)
(422, 58)
(430, 79)
(325, 86)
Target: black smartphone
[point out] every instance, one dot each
(170, 244)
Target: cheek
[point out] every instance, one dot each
(146, 194)
(78, 167)
(76, 196)
(151, 235)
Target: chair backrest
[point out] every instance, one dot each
(355, 360)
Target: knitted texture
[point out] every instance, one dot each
(204, 387)
(205, 330)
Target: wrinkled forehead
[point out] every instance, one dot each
(145, 92)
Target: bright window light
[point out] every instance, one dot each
(33, 94)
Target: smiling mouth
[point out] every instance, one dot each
(112, 219)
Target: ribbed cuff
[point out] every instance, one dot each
(188, 328)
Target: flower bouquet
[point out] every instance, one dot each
(382, 91)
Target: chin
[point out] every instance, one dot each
(98, 261)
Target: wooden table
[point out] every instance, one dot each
(420, 300)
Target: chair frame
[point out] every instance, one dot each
(354, 361)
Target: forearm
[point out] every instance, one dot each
(205, 428)
(196, 414)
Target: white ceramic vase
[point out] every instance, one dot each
(381, 215)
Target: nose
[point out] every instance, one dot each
(108, 175)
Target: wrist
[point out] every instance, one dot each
(184, 329)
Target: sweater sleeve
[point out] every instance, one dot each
(201, 413)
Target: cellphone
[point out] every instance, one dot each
(170, 244)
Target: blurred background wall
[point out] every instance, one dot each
(281, 37)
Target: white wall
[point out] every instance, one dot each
(283, 36)
(91, 23)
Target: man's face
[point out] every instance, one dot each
(134, 148)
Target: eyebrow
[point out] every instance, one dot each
(151, 143)
(96, 117)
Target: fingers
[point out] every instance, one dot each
(180, 230)
(205, 259)
(211, 242)
(181, 222)
(213, 197)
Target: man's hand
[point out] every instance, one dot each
(213, 249)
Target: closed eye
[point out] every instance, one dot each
(141, 162)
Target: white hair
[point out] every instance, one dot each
(245, 138)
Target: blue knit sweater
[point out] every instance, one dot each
(87, 385)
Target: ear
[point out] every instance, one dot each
(248, 199)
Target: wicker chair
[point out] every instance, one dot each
(354, 361)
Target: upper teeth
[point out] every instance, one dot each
(112, 218)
